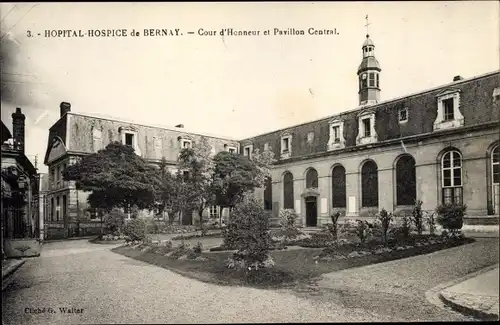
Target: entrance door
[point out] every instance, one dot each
(311, 211)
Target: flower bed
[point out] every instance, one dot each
(418, 244)
(109, 239)
(181, 237)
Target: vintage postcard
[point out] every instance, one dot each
(250, 162)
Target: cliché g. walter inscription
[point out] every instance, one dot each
(166, 32)
(49, 310)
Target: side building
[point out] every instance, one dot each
(20, 218)
(75, 135)
(439, 145)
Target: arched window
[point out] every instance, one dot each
(312, 178)
(495, 165)
(451, 169)
(369, 184)
(406, 189)
(338, 187)
(288, 191)
(268, 194)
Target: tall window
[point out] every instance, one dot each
(52, 209)
(338, 187)
(366, 127)
(129, 139)
(288, 191)
(312, 178)
(58, 208)
(451, 168)
(376, 79)
(336, 133)
(406, 189)
(369, 184)
(64, 207)
(495, 165)
(286, 145)
(372, 79)
(448, 109)
(268, 194)
(214, 211)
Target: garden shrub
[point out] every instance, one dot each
(198, 248)
(135, 229)
(363, 231)
(417, 216)
(114, 221)
(431, 222)
(451, 216)
(403, 229)
(288, 225)
(248, 232)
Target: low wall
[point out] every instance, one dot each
(23, 247)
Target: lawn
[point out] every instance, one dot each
(292, 266)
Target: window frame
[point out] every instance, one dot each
(400, 119)
(453, 188)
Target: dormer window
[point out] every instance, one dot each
(286, 146)
(336, 140)
(247, 151)
(448, 109)
(496, 96)
(403, 115)
(448, 112)
(184, 142)
(129, 138)
(366, 125)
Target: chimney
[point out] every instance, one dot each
(65, 108)
(18, 119)
(180, 126)
(457, 78)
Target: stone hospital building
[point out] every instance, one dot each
(439, 145)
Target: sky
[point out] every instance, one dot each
(234, 86)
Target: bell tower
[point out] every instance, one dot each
(368, 73)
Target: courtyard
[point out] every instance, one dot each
(110, 288)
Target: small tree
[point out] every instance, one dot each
(418, 217)
(117, 178)
(248, 232)
(333, 227)
(385, 220)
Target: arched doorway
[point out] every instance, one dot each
(311, 211)
(406, 181)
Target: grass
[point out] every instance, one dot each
(194, 236)
(292, 266)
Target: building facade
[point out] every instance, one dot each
(76, 135)
(20, 218)
(439, 145)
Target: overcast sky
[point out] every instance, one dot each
(231, 86)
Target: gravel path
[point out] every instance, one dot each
(110, 288)
(398, 288)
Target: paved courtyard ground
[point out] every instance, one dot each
(110, 288)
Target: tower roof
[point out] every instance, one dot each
(368, 41)
(369, 63)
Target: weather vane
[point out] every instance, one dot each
(367, 24)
